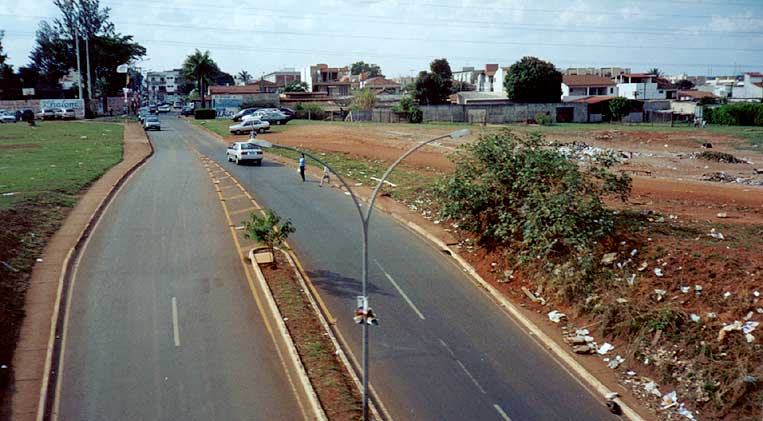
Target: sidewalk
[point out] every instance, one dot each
(42, 298)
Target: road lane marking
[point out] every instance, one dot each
(175, 326)
(463, 367)
(400, 290)
(501, 412)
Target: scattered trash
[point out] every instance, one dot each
(634, 252)
(651, 387)
(621, 300)
(3, 366)
(632, 279)
(583, 332)
(285, 319)
(711, 315)
(608, 258)
(669, 400)
(39, 259)
(698, 289)
(12, 193)
(556, 316)
(684, 290)
(660, 294)
(347, 193)
(643, 266)
(695, 318)
(7, 265)
(726, 294)
(83, 137)
(722, 215)
(536, 299)
(630, 373)
(604, 348)
(240, 227)
(658, 272)
(685, 412)
(715, 234)
(748, 378)
(615, 362)
(581, 349)
(756, 293)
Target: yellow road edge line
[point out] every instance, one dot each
(260, 307)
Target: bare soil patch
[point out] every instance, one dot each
(21, 146)
(334, 386)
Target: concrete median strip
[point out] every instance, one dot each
(35, 398)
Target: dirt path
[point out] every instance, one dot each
(42, 295)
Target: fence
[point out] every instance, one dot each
(505, 113)
(378, 115)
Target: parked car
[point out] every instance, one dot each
(186, 111)
(248, 126)
(242, 113)
(142, 116)
(240, 152)
(6, 117)
(46, 114)
(164, 108)
(65, 113)
(152, 123)
(289, 112)
(275, 117)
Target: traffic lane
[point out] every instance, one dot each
(527, 381)
(145, 252)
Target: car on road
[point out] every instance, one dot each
(46, 114)
(164, 108)
(153, 109)
(186, 111)
(65, 113)
(249, 126)
(240, 152)
(142, 116)
(242, 113)
(6, 117)
(152, 123)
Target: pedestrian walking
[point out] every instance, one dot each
(302, 167)
(325, 176)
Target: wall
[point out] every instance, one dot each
(645, 91)
(500, 114)
(685, 107)
(36, 104)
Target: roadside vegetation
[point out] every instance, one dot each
(42, 170)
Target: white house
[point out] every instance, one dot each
(644, 86)
(719, 86)
(164, 86)
(489, 79)
(750, 90)
(580, 86)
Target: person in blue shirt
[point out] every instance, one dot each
(302, 167)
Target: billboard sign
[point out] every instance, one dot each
(77, 104)
(226, 105)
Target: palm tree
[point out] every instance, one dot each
(655, 71)
(199, 67)
(244, 76)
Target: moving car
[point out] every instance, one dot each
(186, 111)
(152, 123)
(164, 108)
(248, 126)
(6, 117)
(244, 151)
(65, 113)
(243, 112)
(46, 114)
(153, 109)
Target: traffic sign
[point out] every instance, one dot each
(27, 91)
(122, 68)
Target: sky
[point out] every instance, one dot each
(694, 37)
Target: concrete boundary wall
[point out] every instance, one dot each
(504, 113)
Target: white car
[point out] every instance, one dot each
(249, 126)
(46, 114)
(152, 123)
(7, 117)
(240, 152)
(65, 113)
(164, 108)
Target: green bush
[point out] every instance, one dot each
(407, 106)
(736, 114)
(543, 119)
(204, 114)
(310, 111)
(519, 191)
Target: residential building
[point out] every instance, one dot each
(381, 85)
(695, 95)
(263, 86)
(334, 81)
(164, 86)
(489, 79)
(750, 89)
(580, 86)
(596, 71)
(283, 77)
(644, 86)
(720, 86)
(467, 75)
(476, 97)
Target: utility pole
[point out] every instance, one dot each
(79, 67)
(87, 60)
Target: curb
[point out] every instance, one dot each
(336, 338)
(526, 323)
(52, 356)
(276, 313)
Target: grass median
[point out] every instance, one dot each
(43, 169)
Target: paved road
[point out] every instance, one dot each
(443, 350)
(162, 324)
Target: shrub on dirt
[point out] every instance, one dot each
(407, 106)
(363, 100)
(543, 119)
(737, 114)
(517, 190)
(720, 157)
(309, 111)
(268, 229)
(204, 114)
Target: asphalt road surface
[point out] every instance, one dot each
(443, 350)
(162, 324)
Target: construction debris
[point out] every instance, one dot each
(556, 316)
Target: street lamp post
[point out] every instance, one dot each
(364, 220)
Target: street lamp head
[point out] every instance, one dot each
(261, 143)
(460, 133)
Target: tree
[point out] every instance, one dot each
(435, 86)
(244, 76)
(201, 68)
(684, 84)
(363, 67)
(54, 53)
(268, 230)
(618, 107)
(408, 106)
(459, 86)
(364, 100)
(295, 86)
(533, 80)
(654, 71)
(8, 80)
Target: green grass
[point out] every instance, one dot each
(56, 158)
